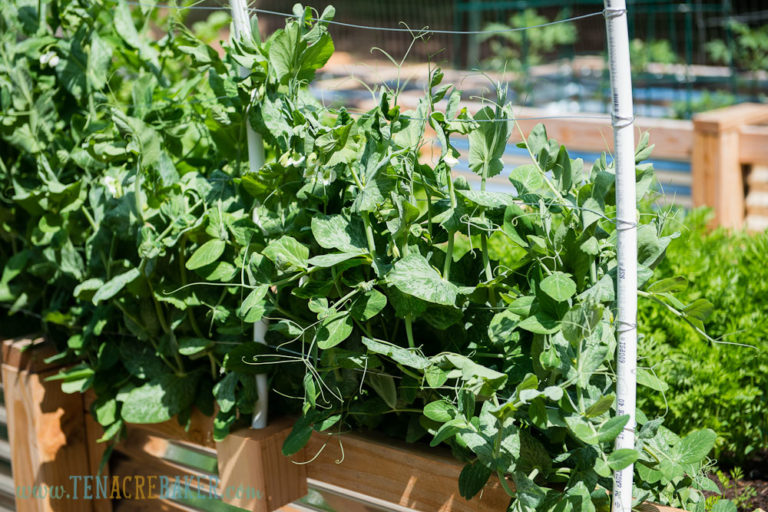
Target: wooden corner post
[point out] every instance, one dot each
(718, 179)
(253, 472)
(46, 430)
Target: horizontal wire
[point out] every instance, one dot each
(427, 30)
(336, 111)
(194, 7)
(500, 120)
(423, 31)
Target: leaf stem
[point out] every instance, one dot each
(505, 484)
(183, 275)
(369, 233)
(213, 365)
(409, 330)
(484, 235)
(166, 328)
(451, 234)
(448, 256)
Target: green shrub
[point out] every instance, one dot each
(718, 386)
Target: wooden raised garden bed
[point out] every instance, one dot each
(53, 437)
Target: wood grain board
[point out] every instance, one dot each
(46, 427)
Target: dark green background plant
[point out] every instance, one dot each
(398, 298)
(515, 52)
(721, 386)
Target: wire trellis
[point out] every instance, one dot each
(409, 30)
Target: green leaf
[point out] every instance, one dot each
(158, 400)
(448, 430)
(488, 199)
(479, 379)
(648, 379)
(15, 265)
(602, 406)
(99, 59)
(282, 50)
(435, 376)
(723, 505)
(696, 445)
(404, 356)
(192, 346)
(414, 276)
(700, 309)
(105, 410)
(368, 305)
(673, 284)
(124, 26)
(315, 57)
(522, 306)
(72, 70)
(581, 429)
(253, 307)
(373, 195)
(298, 438)
(111, 431)
(591, 212)
(472, 479)
(527, 179)
(310, 390)
(114, 285)
(540, 323)
(331, 260)
(502, 326)
(286, 252)
(609, 430)
(334, 329)
(559, 286)
(440, 411)
(562, 170)
(622, 458)
(339, 232)
(224, 391)
(384, 385)
(487, 143)
(328, 422)
(601, 468)
(206, 254)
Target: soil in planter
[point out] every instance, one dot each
(750, 492)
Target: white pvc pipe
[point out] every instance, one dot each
(242, 30)
(626, 225)
(260, 411)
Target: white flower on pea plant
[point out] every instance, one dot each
(113, 186)
(450, 160)
(49, 59)
(291, 159)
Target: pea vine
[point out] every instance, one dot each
(398, 297)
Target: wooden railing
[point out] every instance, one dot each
(730, 156)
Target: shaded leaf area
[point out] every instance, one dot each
(136, 235)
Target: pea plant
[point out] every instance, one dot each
(398, 297)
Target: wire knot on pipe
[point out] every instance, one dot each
(625, 225)
(613, 12)
(628, 326)
(618, 121)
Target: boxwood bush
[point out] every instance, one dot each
(398, 298)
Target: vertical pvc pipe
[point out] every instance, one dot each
(242, 30)
(626, 226)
